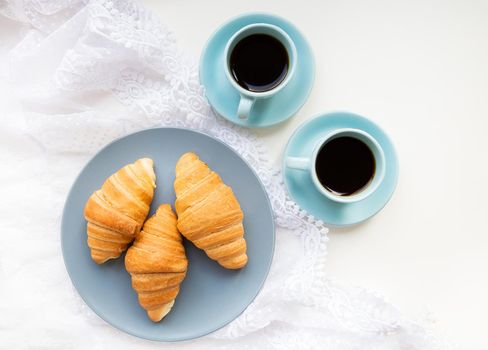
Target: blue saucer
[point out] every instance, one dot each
(302, 189)
(224, 98)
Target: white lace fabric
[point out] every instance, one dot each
(72, 54)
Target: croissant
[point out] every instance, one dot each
(209, 214)
(157, 263)
(116, 212)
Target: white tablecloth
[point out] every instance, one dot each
(85, 73)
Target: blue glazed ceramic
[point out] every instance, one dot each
(302, 188)
(224, 98)
(248, 98)
(210, 295)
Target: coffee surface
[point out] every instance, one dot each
(345, 165)
(259, 62)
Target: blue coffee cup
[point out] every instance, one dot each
(248, 98)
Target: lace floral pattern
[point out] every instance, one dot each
(120, 48)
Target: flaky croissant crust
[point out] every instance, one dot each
(157, 263)
(116, 212)
(209, 214)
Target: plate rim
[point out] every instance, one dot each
(122, 328)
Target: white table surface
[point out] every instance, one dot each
(420, 70)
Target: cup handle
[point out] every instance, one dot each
(298, 163)
(245, 106)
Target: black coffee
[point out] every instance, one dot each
(345, 165)
(259, 62)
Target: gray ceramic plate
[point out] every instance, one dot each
(210, 296)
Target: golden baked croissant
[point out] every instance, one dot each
(209, 214)
(157, 263)
(116, 212)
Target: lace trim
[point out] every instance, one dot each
(120, 48)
